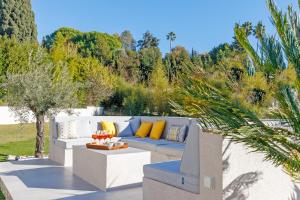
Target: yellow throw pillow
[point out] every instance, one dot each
(144, 129)
(157, 129)
(109, 127)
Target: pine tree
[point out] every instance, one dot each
(17, 19)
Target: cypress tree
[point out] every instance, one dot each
(17, 19)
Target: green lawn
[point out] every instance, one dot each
(19, 140)
(1, 196)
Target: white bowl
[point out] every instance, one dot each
(115, 139)
(110, 145)
(121, 143)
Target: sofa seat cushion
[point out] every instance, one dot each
(173, 149)
(169, 173)
(68, 143)
(145, 143)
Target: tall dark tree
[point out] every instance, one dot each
(171, 37)
(177, 61)
(17, 19)
(149, 57)
(127, 40)
(220, 52)
(148, 41)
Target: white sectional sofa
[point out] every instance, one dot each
(177, 170)
(197, 176)
(161, 150)
(191, 170)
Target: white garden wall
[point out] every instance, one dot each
(247, 176)
(8, 117)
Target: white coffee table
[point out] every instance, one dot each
(110, 169)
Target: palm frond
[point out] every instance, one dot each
(287, 27)
(241, 36)
(216, 111)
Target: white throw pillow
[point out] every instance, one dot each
(124, 129)
(67, 130)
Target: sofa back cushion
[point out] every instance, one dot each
(87, 125)
(170, 121)
(135, 124)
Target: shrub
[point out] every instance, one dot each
(136, 102)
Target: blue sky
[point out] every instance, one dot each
(198, 24)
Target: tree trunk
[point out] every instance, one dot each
(40, 136)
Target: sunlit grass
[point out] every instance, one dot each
(19, 140)
(1, 196)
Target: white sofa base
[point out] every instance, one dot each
(154, 190)
(158, 157)
(61, 155)
(64, 157)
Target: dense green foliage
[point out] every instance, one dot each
(148, 41)
(17, 19)
(14, 58)
(90, 44)
(100, 62)
(118, 72)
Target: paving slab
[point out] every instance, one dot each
(42, 179)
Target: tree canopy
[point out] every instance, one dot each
(17, 19)
(148, 41)
(94, 44)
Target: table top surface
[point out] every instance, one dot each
(129, 150)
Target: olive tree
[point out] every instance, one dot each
(39, 92)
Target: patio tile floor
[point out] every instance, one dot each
(42, 179)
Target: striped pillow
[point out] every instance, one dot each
(67, 130)
(177, 133)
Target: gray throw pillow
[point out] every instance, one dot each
(177, 133)
(124, 129)
(182, 134)
(135, 124)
